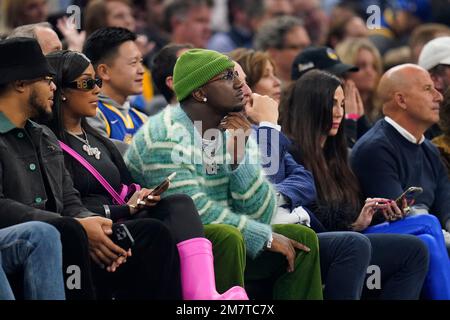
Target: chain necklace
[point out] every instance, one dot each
(93, 152)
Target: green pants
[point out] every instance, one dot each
(229, 255)
(305, 281)
(230, 262)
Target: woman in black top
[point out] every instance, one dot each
(76, 97)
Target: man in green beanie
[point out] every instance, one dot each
(205, 141)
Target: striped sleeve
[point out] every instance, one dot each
(156, 166)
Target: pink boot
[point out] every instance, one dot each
(197, 273)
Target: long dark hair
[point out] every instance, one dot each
(307, 116)
(68, 66)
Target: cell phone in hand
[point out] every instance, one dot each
(409, 194)
(122, 236)
(379, 206)
(159, 189)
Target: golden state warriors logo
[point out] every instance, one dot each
(127, 139)
(331, 54)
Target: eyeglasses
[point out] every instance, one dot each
(85, 84)
(48, 79)
(229, 75)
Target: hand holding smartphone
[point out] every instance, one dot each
(122, 236)
(409, 194)
(403, 202)
(163, 186)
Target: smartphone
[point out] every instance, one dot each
(409, 194)
(163, 185)
(122, 236)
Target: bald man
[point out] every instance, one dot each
(43, 32)
(394, 154)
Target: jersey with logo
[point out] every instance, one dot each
(118, 126)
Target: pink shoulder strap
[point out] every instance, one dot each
(93, 171)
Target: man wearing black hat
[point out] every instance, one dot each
(326, 59)
(34, 184)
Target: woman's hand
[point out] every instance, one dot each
(353, 101)
(394, 212)
(371, 206)
(141, 199)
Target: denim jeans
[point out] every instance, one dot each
(33, 248)
(344, 258)
(403, 264)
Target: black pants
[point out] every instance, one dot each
(152, 272)
(344, 258)
(75, 247)
(403, 262)
(179, 214)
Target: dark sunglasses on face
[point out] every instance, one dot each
(85, 84)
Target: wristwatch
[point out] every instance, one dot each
(268, 244)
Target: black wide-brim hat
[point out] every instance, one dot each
(22, 59)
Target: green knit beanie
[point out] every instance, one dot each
(196, 67)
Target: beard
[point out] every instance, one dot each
(39, 112)
(238, 108)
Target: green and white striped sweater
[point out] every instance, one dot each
(169, 142)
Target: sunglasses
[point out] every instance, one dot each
(85, 84)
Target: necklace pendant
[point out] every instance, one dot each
(87, 149)
(93, 152)
(97, 153)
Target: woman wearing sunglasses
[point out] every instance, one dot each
(75, 99)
